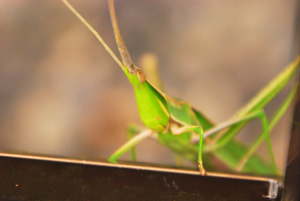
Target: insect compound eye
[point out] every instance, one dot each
(141, 76)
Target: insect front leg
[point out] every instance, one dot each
(133, 130)
(130, 144)
(199, 131)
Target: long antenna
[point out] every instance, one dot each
(96, 34)
(119, 39)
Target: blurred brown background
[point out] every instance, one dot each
(62, 94)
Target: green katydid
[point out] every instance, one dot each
(175, 123)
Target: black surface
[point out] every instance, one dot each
(26, 179)
(292, 175)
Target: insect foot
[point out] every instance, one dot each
(201, 169)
